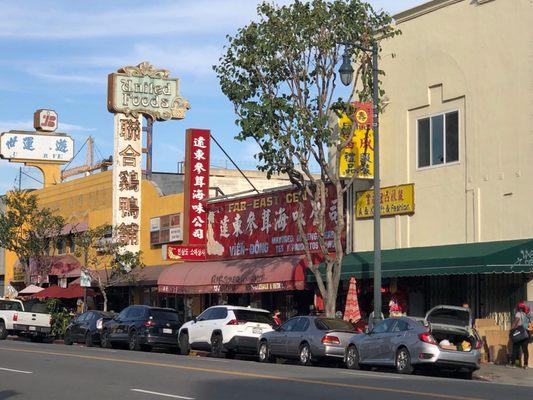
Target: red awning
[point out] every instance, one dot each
(60, 265)
(235, 276)
(56, 292)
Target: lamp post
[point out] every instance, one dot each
(346, 72)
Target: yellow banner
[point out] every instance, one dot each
(395, 200)
(357, 158)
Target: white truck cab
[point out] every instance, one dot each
(28, 318)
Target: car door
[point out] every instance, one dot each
(77, 329)
(278, 343)
(396, 337)
(116, 326)
(213, 321)
(296, 336)
(84, 324)
(197, 329)
(370, 347)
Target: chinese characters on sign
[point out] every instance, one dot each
(22, 145)
(357, 158)
(196, 185)
(395, 200)
(126, 181)
(185, 252)
(265, 225)
(45, 120)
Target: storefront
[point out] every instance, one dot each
(270, 283)
(491, 277)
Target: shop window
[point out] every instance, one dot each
(438, 139)
(61, 246)
(71, 245)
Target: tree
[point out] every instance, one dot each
(280, 74)
(31, 232)
(103, 258)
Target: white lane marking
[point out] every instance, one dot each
(174, 396)
(16, 370)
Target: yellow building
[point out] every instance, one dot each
(87, 202)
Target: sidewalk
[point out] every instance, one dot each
(503, 374)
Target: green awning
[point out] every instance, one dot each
(510, 256)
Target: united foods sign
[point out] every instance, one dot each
(143, 89)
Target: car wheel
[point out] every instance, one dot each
(264, 353)
(67, 339)
(352, 358)
(133, 342)
(88, 339)
(3, 331)
(185, 347)
(304, 355)
(105, 342)
(216, 345)
(403, 361)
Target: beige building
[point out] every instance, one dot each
(458, 125)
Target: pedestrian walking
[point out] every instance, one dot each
(520, 335)
(277, 318)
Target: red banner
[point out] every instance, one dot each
(185, 253)
(265, 225)
(196, 185)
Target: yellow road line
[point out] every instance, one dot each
(246, 374)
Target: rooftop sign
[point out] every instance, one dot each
(34, 146)
(143, 89)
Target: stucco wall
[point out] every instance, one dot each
(474, 57)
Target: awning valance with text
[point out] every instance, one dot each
(234, 276)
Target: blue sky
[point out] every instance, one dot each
(57, 54)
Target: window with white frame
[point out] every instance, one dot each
(438, 139)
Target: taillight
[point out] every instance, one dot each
(149, 323)
(100, 324)
(427, 338)
(330, 339)
(15, 316)
(235, 322)
(479, 344)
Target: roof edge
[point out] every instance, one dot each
(422, 9)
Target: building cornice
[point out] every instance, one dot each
(422, 9)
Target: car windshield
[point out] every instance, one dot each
(35, 307)
(327, 324)
(254, 316)
(165, 315)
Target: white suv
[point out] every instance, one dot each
(225, 329)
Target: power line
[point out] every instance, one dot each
(75, 155)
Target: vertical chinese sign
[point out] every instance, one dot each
(134, 92)
(127, 172)
(196, 186)
(357, 158)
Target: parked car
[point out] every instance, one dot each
(28, 318)
(306, 339)
(86, 327)
(445, 339)
(142, 327)
(225, 330)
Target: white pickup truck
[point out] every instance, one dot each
(28, 318)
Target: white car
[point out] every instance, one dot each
(225, 330)
(29, 318)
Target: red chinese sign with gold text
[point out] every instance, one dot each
(196, 185)
(265, 225)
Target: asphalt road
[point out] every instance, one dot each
(50, 371)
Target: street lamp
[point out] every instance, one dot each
(346, 71)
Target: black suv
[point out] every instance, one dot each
(142, 327)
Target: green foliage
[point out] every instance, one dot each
(104, 258)
(29, 231)
(60, 317)
(280, 73)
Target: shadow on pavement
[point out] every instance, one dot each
(6, 394)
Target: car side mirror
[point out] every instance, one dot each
(194, 319)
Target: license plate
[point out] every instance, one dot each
(32, 328)
(166, 330)
(257, 331)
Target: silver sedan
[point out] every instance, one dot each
(443, 340)
(307, 339)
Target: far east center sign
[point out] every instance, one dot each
(265, 225)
